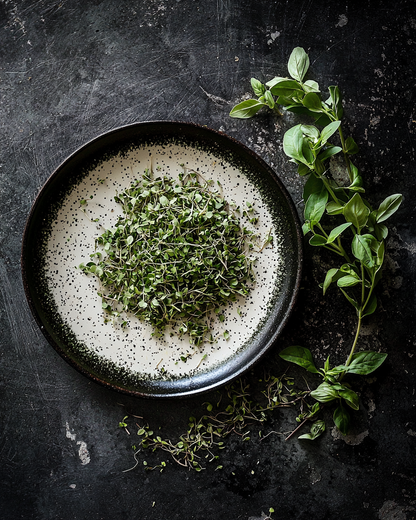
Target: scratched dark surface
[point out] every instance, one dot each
(71, 70)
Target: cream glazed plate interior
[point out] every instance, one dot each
(77, 204)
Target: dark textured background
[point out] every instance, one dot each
(70, 70)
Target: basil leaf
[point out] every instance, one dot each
(329, 152)
(307, 153)
(268, 98)
(314, 410)
(312, 102)
(336, 101)
(371, 306)
(342, 419)
(303, 169)
(331, 276)
(286, 88)
(380, 253)
(258, 88)
(306, 228)
(356, 185)
(315, 205)
(388, 207)
(365, 362)
(275, 81)
(247, 109)
(333, 208)
(357, 180)
(311, 86)
(313, 185)
(293, 142)
(322, 120)
(349, 269)
(381, 231)
(329, 130)
(310, 131)
(356, 212)
(300, 356)
(325, 393)
(334, 234)
(298, 63)
(353, 302)
(348, 281)
(351, 146)
(350, 397)
(362, 251)
(298, 109)
(317, 240)
(317, 429)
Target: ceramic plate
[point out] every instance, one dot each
(61, 231)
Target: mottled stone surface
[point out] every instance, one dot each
(71, 70)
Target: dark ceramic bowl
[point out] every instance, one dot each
(61, 231)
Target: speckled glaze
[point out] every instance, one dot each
(60, 234)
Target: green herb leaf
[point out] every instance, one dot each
(371, 306)
(331, 276)
(336, 101)
(300, 356)
(258, 87)
(342, 419)
(334, 208)
(164, 200)
(311, 86)
(276, 80)
(293, 143)
(329, 152)
(365, 362)
(351, 146)
(389, 206)
(336, 232)
(310, 131)
(313, 185)
(298, 63)
(318, 240)
(349, 396)
(361, 249)
(317, 429)
(268, 99)
(247, 109)
(348, 281)
(315, 205)
(329, 130)
(312, 102)
(286, 88)
(325, 393)
(352, 300)
(356, 212)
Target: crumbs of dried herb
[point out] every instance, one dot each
(175, 257)
(236, 413)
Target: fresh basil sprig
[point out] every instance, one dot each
(359, 241)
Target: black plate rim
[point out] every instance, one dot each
(192, 391)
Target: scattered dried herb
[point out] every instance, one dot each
(236, 412)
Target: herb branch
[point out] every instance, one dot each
(359, 240)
